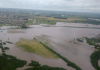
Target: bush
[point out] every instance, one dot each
(95, 57)
(34, 63)
(45, 67)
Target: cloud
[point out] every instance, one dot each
(0, 4)
(62, 5)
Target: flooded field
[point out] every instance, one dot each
(57, 38)
(76, 24)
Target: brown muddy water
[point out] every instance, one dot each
(57, 38)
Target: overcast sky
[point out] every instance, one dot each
(61, 5)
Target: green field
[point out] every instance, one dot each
(33, 46)
(30, 22)
(5, 24)
(52, 20)
(0, 24)
(56, 19)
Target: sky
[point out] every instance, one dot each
(59, 5)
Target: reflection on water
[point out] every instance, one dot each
(57, 38)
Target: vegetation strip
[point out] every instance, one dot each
(95, 56)
(94, 42)
(69, 63)
(37, 66)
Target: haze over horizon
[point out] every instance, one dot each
(92, 6)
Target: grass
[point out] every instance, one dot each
(34, 46)
(5, 24)
(0, 24)
(30, 21)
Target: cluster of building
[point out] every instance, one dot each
(13, 18)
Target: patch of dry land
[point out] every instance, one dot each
(55, 19)
(15, 31)
(35, 46)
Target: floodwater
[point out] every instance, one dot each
(57, 38)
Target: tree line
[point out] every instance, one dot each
(36, 66)
(69, 63)
(61, 17)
